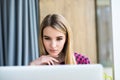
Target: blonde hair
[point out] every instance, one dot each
(59, 23)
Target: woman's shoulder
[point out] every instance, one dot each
(81, 59)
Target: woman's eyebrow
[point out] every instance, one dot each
(49, 36)
(59, 36)
(45, 36)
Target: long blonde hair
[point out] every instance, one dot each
(59, 23)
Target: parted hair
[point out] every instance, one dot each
(59, 23)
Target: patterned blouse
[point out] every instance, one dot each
(80, 59)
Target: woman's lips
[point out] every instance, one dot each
(53, 50)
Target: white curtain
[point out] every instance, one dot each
(19, 25)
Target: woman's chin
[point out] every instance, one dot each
(55, 56)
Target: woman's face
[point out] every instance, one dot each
(53, 41)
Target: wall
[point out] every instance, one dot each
(116, 37)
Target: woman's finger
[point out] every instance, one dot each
(51, 62)
(53, 59)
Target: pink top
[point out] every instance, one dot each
(80, 59)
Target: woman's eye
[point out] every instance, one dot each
(58, 39)
(47, 38)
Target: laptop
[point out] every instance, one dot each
(56, 72)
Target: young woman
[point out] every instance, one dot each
(56, 43)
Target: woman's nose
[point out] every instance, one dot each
(53, 44)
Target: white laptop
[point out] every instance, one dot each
(57, 72)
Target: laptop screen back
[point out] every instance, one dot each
(58, 72)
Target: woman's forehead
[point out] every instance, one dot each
(49, 31)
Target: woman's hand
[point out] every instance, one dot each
(44, 60)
